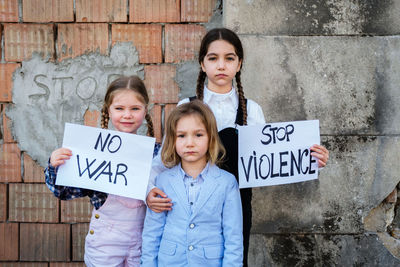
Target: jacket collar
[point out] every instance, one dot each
(207, 188)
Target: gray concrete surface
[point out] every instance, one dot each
(336, 61)
(308, 17)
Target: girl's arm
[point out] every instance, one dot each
(57, 158)
(151, 237)
(156, 199)
(232, 224)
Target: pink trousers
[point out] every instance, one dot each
(115, 233)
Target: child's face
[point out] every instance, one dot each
(191, 141)
(221, 65)
(126, 111)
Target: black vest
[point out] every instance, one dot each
(229, 138)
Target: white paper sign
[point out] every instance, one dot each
(108, 161)
(277, 153)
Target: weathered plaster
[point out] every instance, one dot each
(47, 94)
(310, 17)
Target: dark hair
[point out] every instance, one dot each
(215, 151)
(133, 83)
(232, 38)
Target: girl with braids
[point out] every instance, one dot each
(221, 57)
(115, 231)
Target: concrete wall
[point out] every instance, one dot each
(336, 61)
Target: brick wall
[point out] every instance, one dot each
(36, 229)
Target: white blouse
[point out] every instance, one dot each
(224, 107)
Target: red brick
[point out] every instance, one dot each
(9, 10)
(92, 118)
(76, 210)
(67, 264)
(154, 10)
(101, 11)
(160, 83)
(80, 38)
(197, 11)
(145, 37)
(10, 163)
(6, 72)
(47, 10)
(79, 232)
(392, 197)
(8, 241)
(33, 172)
(155, 113)
(44, 242)
(21, 40)
(5, 133)
(24, 264)
(3, 202)
(167, 110)
(182, 41)
(32, 203)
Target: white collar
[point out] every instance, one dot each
(210, 95)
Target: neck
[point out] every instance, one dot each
(219, 90)
(193, 169)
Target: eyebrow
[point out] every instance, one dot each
(195, 130)
(215, 54)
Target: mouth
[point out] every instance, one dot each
(127, 123)
(221, 75)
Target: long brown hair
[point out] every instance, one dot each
(133, 83)
(232, 38)
(215, 151)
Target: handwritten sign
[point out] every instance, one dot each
(277, 153)
(108, 161)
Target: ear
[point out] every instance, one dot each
(202, 67)
(239, 66)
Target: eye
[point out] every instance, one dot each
(180, 136)
(118, 108)
(212, 58)
(230, 58)
(135, 108)
(199, 134)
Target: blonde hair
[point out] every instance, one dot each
(216, 150)
(133, 83)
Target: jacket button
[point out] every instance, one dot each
(91, 232)
(191, 226)
(97, 216)
(191, 248)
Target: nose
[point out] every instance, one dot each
(221, 64)
(189, 141)
(127, 114)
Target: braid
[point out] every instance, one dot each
(242, 100)
(200, 84)
(150, 127)
(104, 117)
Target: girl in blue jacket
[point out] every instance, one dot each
(205, 226)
